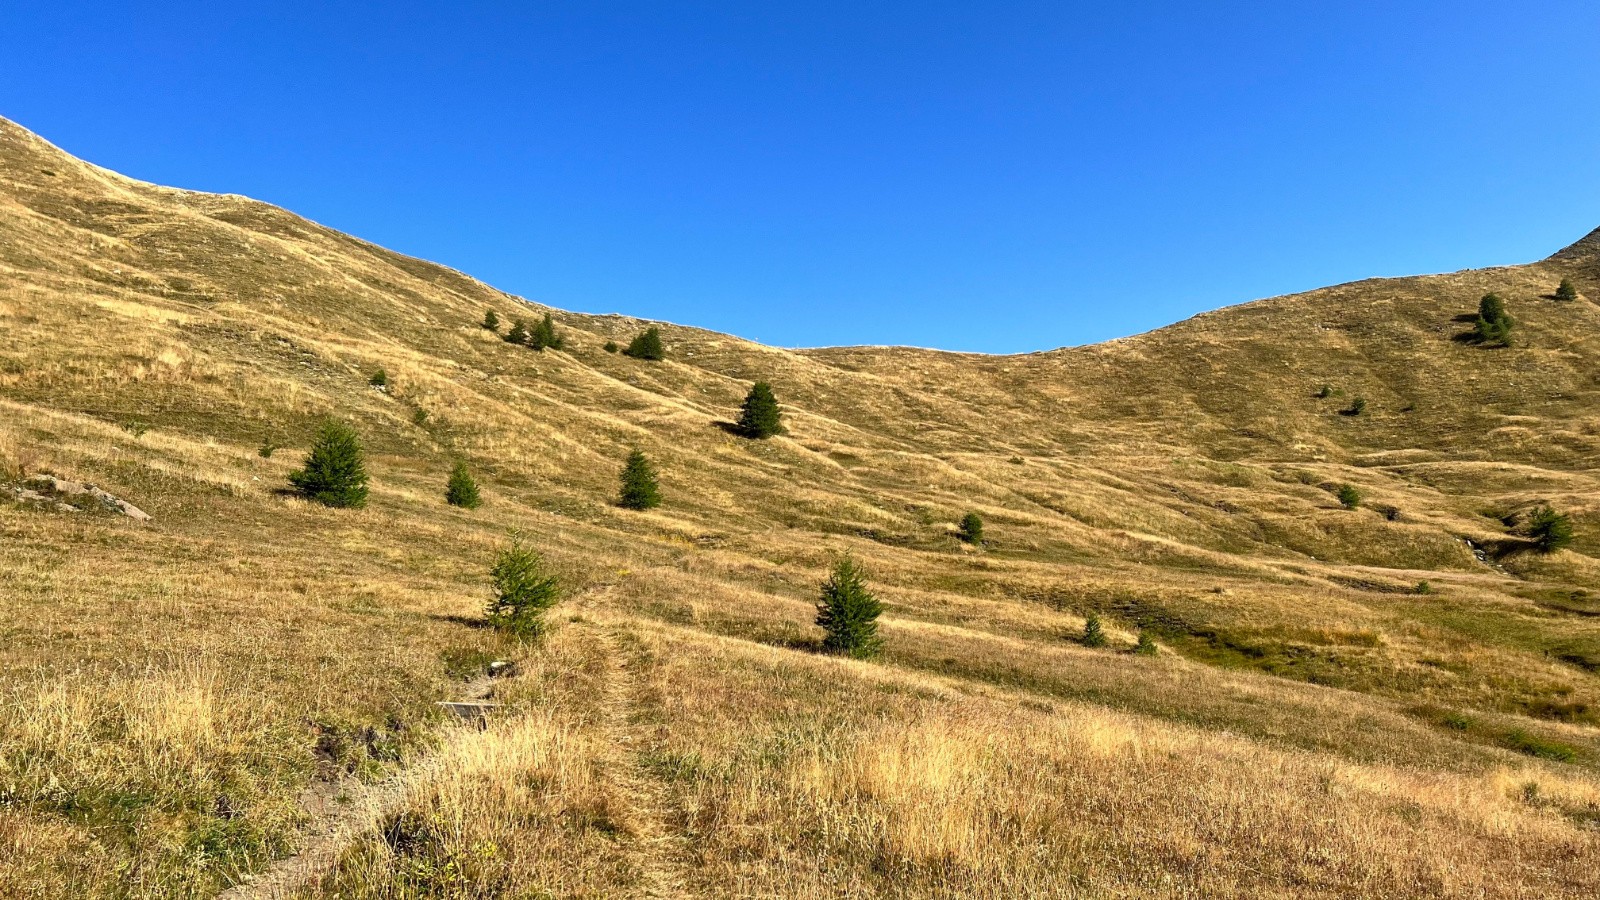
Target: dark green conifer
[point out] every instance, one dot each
(1093, 634)
(1567, 291)
(611, 347)
(1146, 645)
(1549, 529)
(518, 333)
(379, 379)
(522, 591)
(491, 321)
(639, 487)
(1350, 496)
(1494, 324)
(760, 417)
(334, 474)
(646, 345)
(544, 335)
(971, 528)
(462, 490)
(848, 612)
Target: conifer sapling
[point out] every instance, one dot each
(334, 473)
(971, 528)
(1093, 634)
(1146, 645)
(1550, 530)
(639, 487)
(462, 490)
(760, 417)
(491, 321)
(647, 345)
(848, 613)
(1567, 291)
(522, 591)
(518, 333)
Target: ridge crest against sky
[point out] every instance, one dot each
(998, 178)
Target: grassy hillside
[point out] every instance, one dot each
(249, 678)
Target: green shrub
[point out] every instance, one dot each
(1325, 392)
(491, 321)
(611, 347)
(1533, 745)
(1357, 407)
(267, 448)
(848, 613)
(1093, 634)
(379, 379)
(640, 489)
(1423, 587)
(419, 417)
(544, 335)
(518, 333)
(647, 345)
(1349, 496)
(334, 473)
(522, 591)
(760, 417)
(1494, 324)
(971, 528)
(1566, 291)
(462, 490)
(1550, 530)
(1146, 645)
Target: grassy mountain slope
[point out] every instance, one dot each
(1314, 725)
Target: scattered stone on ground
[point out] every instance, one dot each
(48, 489)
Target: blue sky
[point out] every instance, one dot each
(998, 177)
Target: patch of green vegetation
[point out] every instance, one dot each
(1543, 748)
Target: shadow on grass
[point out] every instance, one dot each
(474, 622)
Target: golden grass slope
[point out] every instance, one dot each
(1315, 725)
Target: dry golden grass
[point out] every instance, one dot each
(1312, 726)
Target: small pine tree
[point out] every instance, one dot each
(1494, 324)
(1550, 530)
(544, 335)
(1566, 291)
(491, 321)
(334, 474)
(1357, 406)
(1349, 496)
(379, 379)
(267, 448)
(639, 487)
(522, 591)
(462, 490)
(971, 528)
(1423, 587)
(518, 333)
(1093, 634)
(647, 345)
(848, 612)
(1146, 645)
(760, 417)
(1325, 392)
(611, 347)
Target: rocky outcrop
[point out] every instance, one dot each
(74, 496)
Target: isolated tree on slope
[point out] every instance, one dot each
(491, 321)
(848, 612)
(1494, 324)
(971, 528)
(760, 417)
(522, 591)
(334, 474)
(639, 487)
(647, 345)
(1566, 291)
(1550, 530)
(462, 490)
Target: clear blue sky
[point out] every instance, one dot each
(974, 176)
